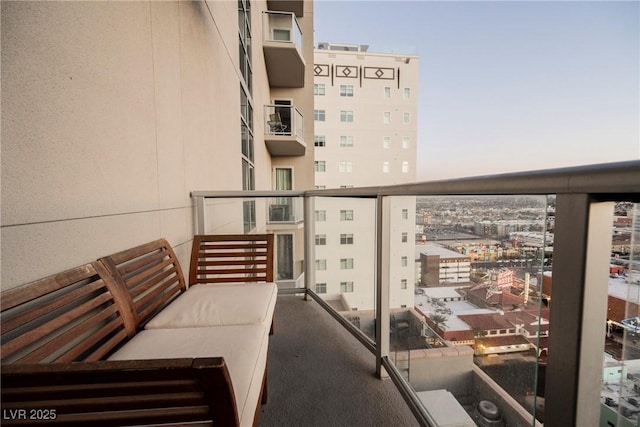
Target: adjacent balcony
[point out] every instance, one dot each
(284, 211)
(293, 6)
(284, 130)
(282, 45)
(556, 367)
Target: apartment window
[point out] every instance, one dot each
(318, 89)
(403, 284)
(405, 142)
(346, 166)
(246, 113)
(346, 239)
(385, 167)
(346, 116)
(346, 263)
(405, 236)
(405, 213)
(321, 215)
(319, 115)
(386, 142)
(403, 261)
(321, 288)
(320, 165)
(346, 215)
(406, 118)
(346, 186)
(321, 264)
(321, 239)
(320, 141)
(346, 286)
(386, 119)
(319, 187)
(407, 93)
(346, 141)
(346, 90)
(405, 167)
(387, 92)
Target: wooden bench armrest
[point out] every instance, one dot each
(128, 392)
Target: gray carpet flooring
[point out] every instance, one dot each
(320, 375)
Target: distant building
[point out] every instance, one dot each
(439, 266)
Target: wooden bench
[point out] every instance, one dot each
(70, 322)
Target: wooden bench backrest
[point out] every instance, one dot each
(130, 392)
(229, 258)
(152, 275)
(71, 316)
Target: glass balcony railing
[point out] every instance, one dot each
(282, 27)
(283, 120)
(473, 294)
(285, 210)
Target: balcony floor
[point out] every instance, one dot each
(320, 375)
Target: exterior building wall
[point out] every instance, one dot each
(358, 147)
(112, 113)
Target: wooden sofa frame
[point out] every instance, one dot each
(58, 331)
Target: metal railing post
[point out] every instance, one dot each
(309, 244)
(200, 214)
(383, 218)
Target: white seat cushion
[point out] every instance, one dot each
(219, 305)
(244, 348)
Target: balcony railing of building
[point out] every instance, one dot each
(282, 44)
(584, 200)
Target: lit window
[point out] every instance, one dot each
(346, 215)
(406, 118)
(321, 264)
(386, 142)
(321, 288)
(318, 89)
(407, 93)
(346, 286)
(321, 239)
(346, 166)
(387, 92)
(346, 90)
(405, 142)
(346, 263)
(405, 167)
(346, 116)
(387, 118)
(346, 239)
(405, 236)
(321, 215)
(320, 165)
(319, 141)
(405, 213)
(403, 261)
(385, 167)
(319, 115)
(403, 284)
(346, 141)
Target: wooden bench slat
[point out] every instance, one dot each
(236, 271)
(234, 246)
(247, 255)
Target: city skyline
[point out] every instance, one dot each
(508, 86)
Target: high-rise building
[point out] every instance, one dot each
(114, 112)
(365, 114)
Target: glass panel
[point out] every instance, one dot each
(345, 263)
(475, 301)
(620, 395)
(284, 247)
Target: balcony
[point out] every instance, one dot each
(293, 6)
(376, 331)
(284, 130)
(284, 211)
(282, 45)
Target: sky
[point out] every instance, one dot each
(508, 86)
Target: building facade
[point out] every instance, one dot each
(113, 112)
(365, 116)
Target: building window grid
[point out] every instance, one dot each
(404, 261)
(386, 118)
(385, 167)
(405, 142)
(319, 115)
(346, 263)
(321, 264)
(405, 213)
(346, 116)
(319, 141)
(321, 239)
(387, 92)
(346, 90)
(406, 118)
(405, 167)
(405, 237)
(346, 286)
(407, 93)
(345, 166)
(320, 166)
(319, 89)
(321, 215)
(346, 215)
(403, 284)
(321, 288)
(386, 142)
(346, 239)
(346, 141)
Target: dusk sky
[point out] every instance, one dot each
(508, 85)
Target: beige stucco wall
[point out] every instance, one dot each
(112, 113)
